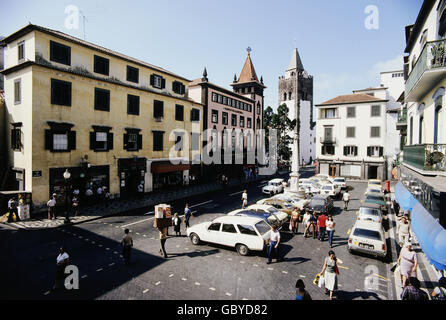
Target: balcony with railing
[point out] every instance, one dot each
(328, 140)
(402, 119)
(428, 70)
(427, 157)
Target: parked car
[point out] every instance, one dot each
(302, 181)
(374, 191)
(377, 199)
(322, 176)
(339, 182)
(245, 234)
(370, 212)
(311, 187)
(375, 182)
(293, 199)
(368, 238)
(274, 186)
(317, 180)
(268, 213)
(279, 204)
(330, 189)
(321, 203)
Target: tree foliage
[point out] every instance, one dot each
(280, 122)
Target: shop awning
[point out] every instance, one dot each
(167, 166)
(431, 236)
(404, 198)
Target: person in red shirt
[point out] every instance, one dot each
(322, 226)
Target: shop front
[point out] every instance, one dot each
(131, 173)
(167, 176)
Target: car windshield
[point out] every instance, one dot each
(369, 211)
(375, 198)
(262, 227)
(326, 187)
(373, 191)
(272, 210)
(339, 180)
(255, 213)
(365, 233)
(317, 202)
(375, 183)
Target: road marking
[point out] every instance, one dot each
(199, 204)
(170, 275)
(213, 289)
(384, 278)
(233, 194)
(111, 264)
(218, 256)
(93, 242)
(130, 224)
(255, 265)
(302, 276)
(348, 231)
(115, 252)
(100, 245)
(107, 249)
(145, 291)
(244, 299)
(184, 279)
(84, 276)
(285, 272)
(242, 262)
(100, 269)
(47, 293)
(138, 233)
(270, 268)
(150, 212)
(197, 283)
(158, 283)
(144, 235)
(230, 259)
(228, 294)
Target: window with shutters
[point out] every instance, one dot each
(60, 141)
(328, 150)
(16, 138)
(60, 92)
(101, 65)
(249, 122)
(158, 140)
(133, 104)
(375, 132)
(329, 113)
(351, 112)
(375, 151)
(158, 109)
(220, 98)
(178, 87)
(132, 74)
(101, 99)
(157, 81)
(101, 139)
(60, 53)
(242, 121)
(17, 91)
(350, 132)
(21, 51)
(224, 118)
(60, 138)
(214, 118)
(132, 140)
(179, 112)
(225, 100)
(234, 119)
(375, 111)
(195, 115)
(350, 151)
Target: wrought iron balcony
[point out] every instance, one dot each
(427, 157)
(429, 68)
(328, 140)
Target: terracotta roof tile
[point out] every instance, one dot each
(248, 73)
(352, 98)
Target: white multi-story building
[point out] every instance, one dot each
(296, 91)
(351, 135)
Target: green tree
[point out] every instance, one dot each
(283, 125)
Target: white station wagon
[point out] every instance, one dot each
(242, 233)
(368, 238)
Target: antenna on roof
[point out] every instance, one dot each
(84, 18)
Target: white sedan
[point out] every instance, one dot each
(293, 199)
(242, 233)
(368, 238)
(370, 212)
(330, 189)
(274, 186)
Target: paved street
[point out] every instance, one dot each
(190, 272)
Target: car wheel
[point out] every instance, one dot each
(195, 239)
(242, 249)
(349, 250)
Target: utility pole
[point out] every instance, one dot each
(84, 18)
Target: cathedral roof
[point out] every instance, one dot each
(295, 62)
(248, 73)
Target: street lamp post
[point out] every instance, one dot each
(66, 176)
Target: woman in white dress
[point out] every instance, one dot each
(330, 272)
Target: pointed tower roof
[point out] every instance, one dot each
(295, 62)
(248, 73)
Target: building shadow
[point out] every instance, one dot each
(351, 295)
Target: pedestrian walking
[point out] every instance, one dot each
(403, 230)
(306, 222)
(244, 199)
(187, 215)
(346, 199)
(52, 207)
(408, 262)
(89, 195)
(127, 244)
(330, 229)
(274, 242)
(412, 290)
(321, 222)
(396, 207)
(62, 261)
(163, 239)
(301, 293)
(330, 271)
(438, 294)
(106, 197)
(294, 221)
(313, 223)
(176, 224)
(75, 204)
(12, 209)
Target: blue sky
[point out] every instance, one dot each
(185, 36)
